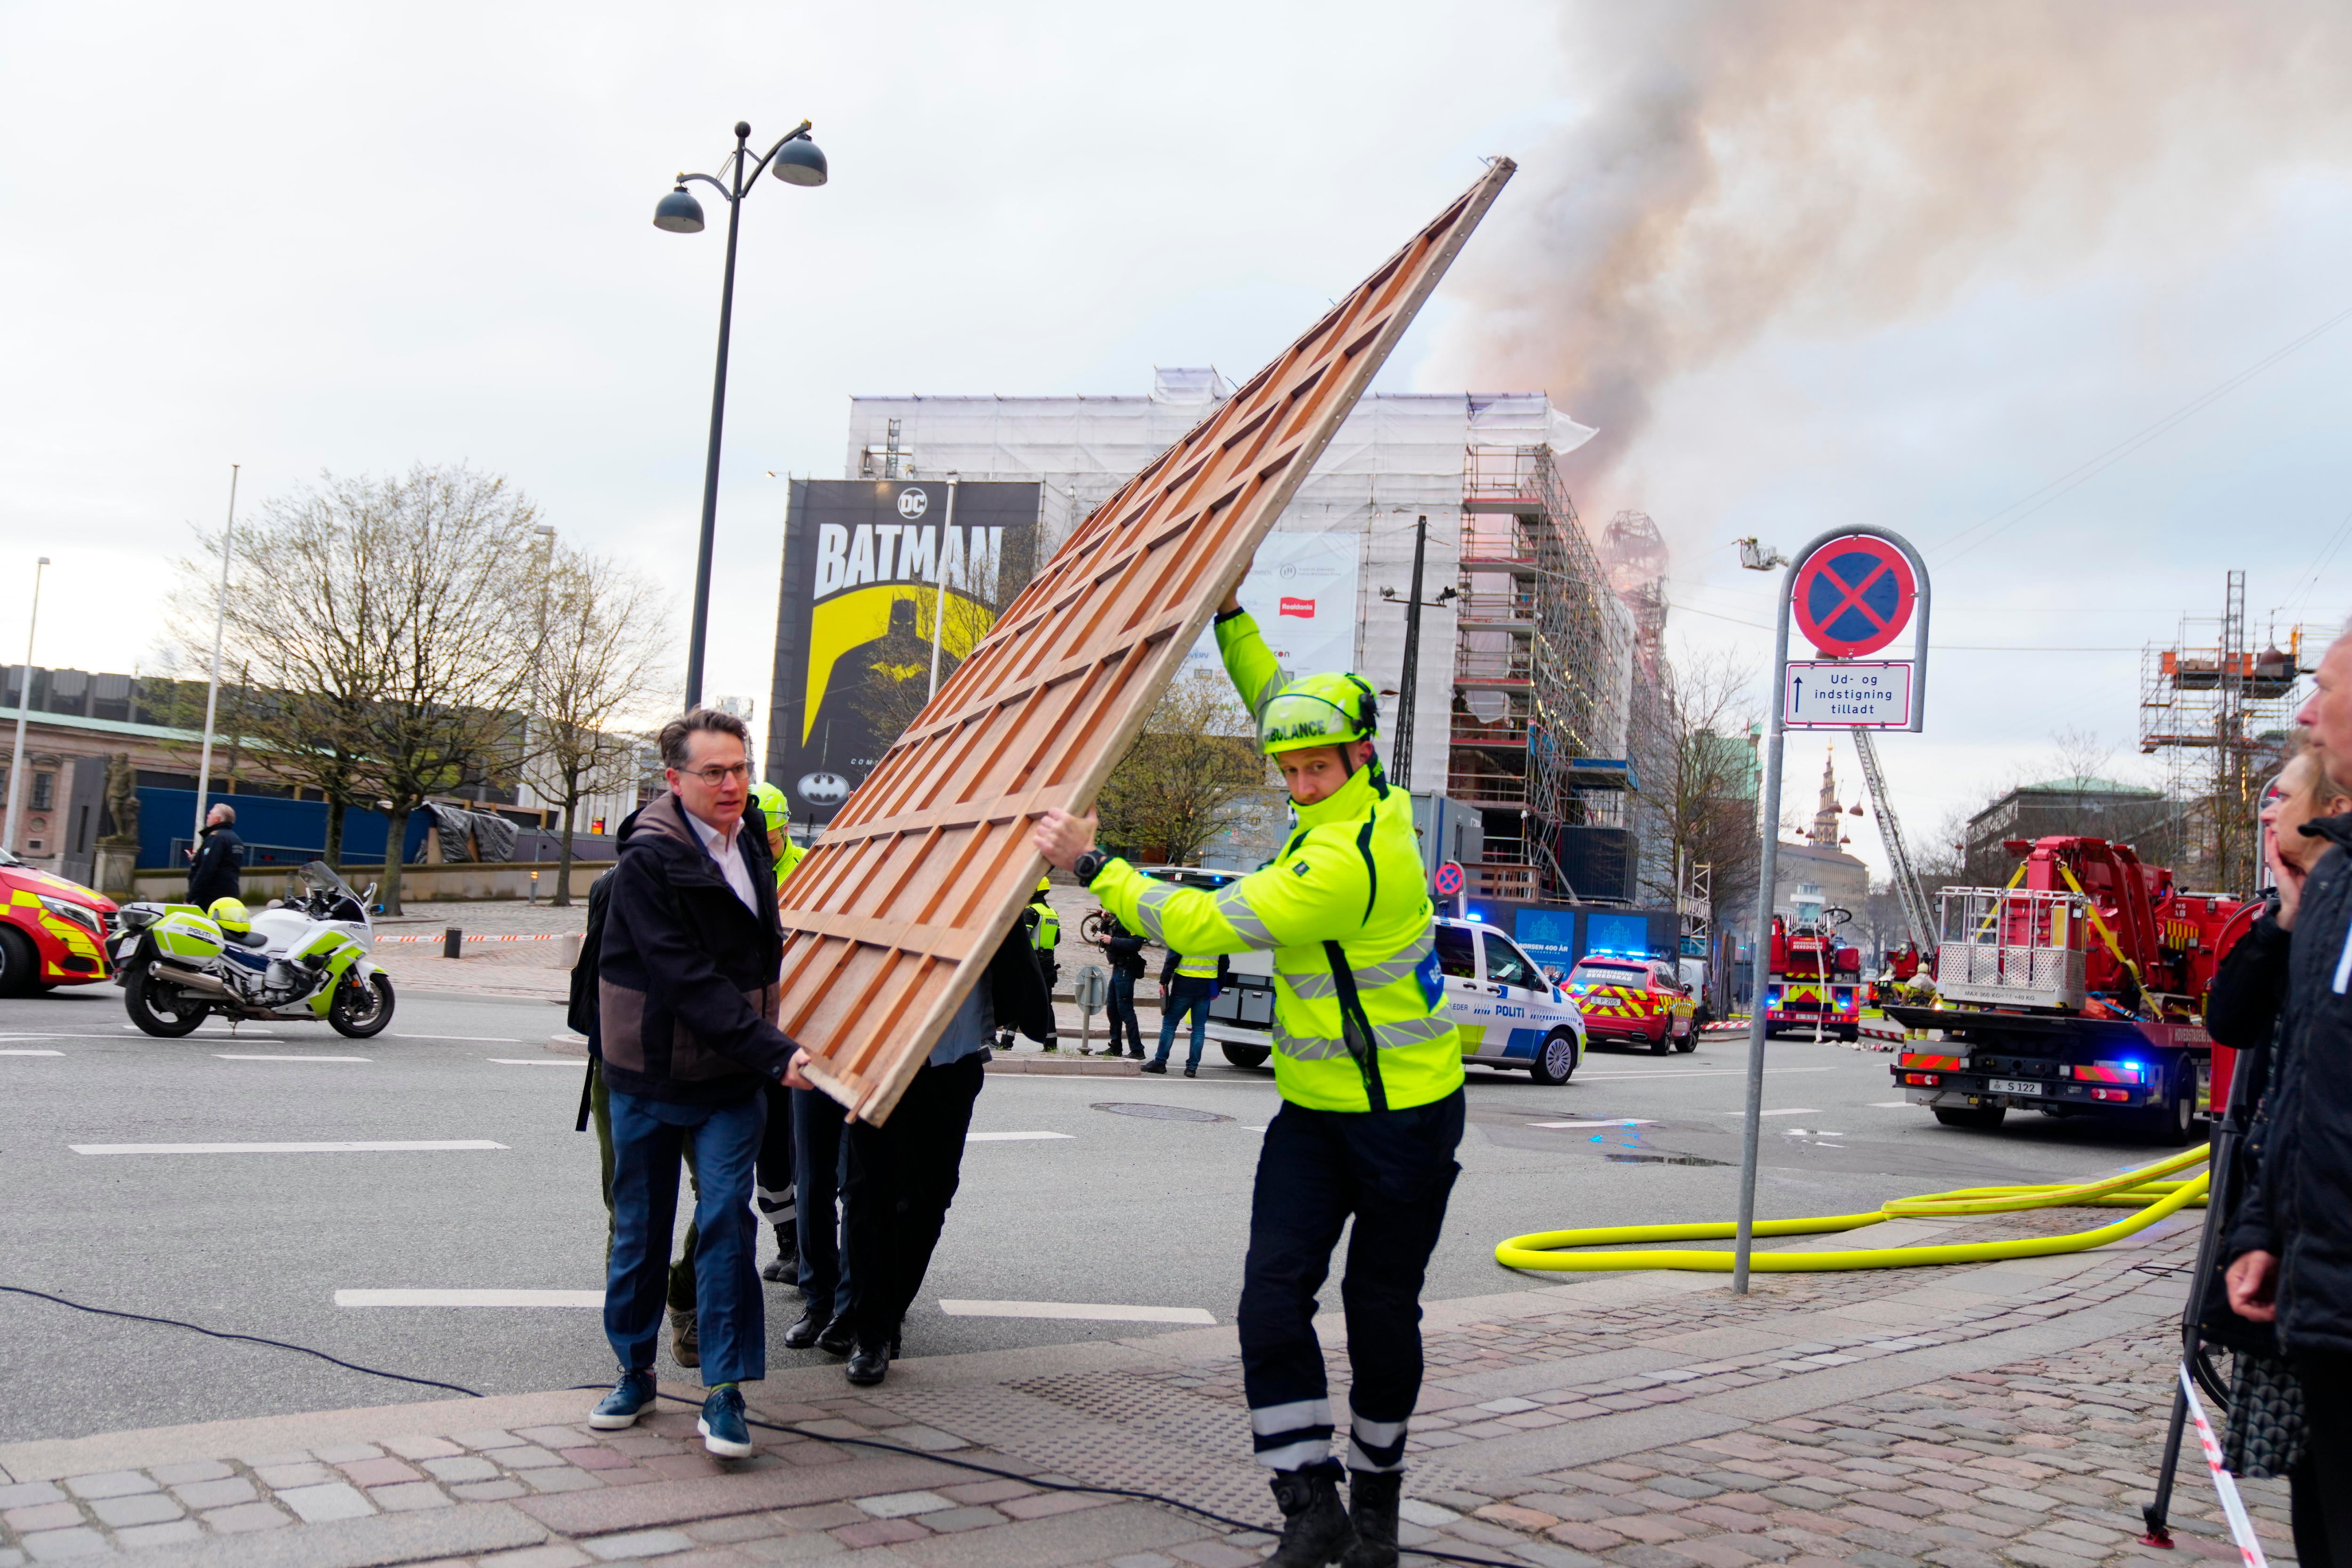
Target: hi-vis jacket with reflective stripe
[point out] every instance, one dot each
(1345, 908)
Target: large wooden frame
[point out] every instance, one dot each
(898, 909)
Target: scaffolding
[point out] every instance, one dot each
(1542, 669)
(2218, 713)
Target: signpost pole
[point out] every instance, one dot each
(1846, 644)
(1759, 970)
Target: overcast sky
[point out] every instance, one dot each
(1804, 266)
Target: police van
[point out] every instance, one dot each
(1508, 1013)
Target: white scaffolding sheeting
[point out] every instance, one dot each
(1398, 457)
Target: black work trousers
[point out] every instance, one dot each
(817, 1162)
(2322, 1480)
(1392, 1171)
(774, 1183)
(902, 1176)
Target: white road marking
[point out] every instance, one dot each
(1889, 1105)
(244, 1057)
(530, 1062)
(1077, 1312)
(423, 1146)
(1584, 1124)
(1705, 1072)
(1011, 1137)
(1793, 1110)
(463, 1039)
(22, 1053)
(594, 1299)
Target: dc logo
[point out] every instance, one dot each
(913, 504)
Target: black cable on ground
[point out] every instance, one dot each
(1193, 1508)
(1176, 1503)
(248, 1338)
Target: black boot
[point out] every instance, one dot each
(1314, 1528)
(1372, 1499)
(786, 1268)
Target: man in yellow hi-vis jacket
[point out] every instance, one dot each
(1370, 1073)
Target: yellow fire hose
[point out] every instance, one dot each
(2143, 1189)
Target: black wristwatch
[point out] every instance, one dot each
(1090, 866)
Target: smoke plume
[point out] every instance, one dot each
(1824, 166)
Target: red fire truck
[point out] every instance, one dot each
(2077, 990)
(1815, 984)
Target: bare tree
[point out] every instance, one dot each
(601, 630)
(1195, 759)
(1697, 767)
(450, 572)
(308, 617)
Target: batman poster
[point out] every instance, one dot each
(885, 580)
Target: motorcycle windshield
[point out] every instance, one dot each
(320, 878)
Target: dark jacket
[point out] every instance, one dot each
(219, 860)
(2295, 1205)
(686, 973)
(580, 1011)
(1126, 954)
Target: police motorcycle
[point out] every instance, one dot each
(302, 960)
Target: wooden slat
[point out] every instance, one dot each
(897, 909)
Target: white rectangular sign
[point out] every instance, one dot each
(1843, 694)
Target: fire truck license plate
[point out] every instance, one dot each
(2011, 1086)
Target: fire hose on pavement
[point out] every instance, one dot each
(2146, 1189)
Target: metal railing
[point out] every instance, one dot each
(2013, 945)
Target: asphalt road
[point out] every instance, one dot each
(1131, 1210)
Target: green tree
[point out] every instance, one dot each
(1195, 761)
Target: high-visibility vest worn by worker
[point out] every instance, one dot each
(1196, 966)
(1346, 908)
(1046, 931)
(779, 815)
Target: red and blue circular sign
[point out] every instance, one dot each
(1449, 879)
(1854, 595)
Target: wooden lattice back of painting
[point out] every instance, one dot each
(898, 909)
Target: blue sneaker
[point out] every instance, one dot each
(724, 1431)
(631, 1397)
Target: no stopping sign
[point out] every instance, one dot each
(1854, 595)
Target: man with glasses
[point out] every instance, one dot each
(687, 983)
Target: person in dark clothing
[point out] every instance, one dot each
(2291, 1241)
(596, 1107)
(687, 983)
(818, 1161)
(216, 865)
(902, 1175)
(1124, 951)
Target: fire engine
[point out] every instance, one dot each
(2076, 989)
(1815, 981)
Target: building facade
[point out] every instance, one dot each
(1522, 701)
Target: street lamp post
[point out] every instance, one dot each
(23, 705)
(796, 162)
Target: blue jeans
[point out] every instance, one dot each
(1123, 1021)
(1184, 997)
(648, 1138)
(818, 1160)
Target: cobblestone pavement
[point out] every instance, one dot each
(1967, 1417)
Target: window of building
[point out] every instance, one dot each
(45, 791)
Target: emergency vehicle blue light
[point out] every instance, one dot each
(1476, 916)
(2134, 1066)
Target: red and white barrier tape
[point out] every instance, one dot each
(2241, 1528)
(471, 937)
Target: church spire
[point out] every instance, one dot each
(1826, 818)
